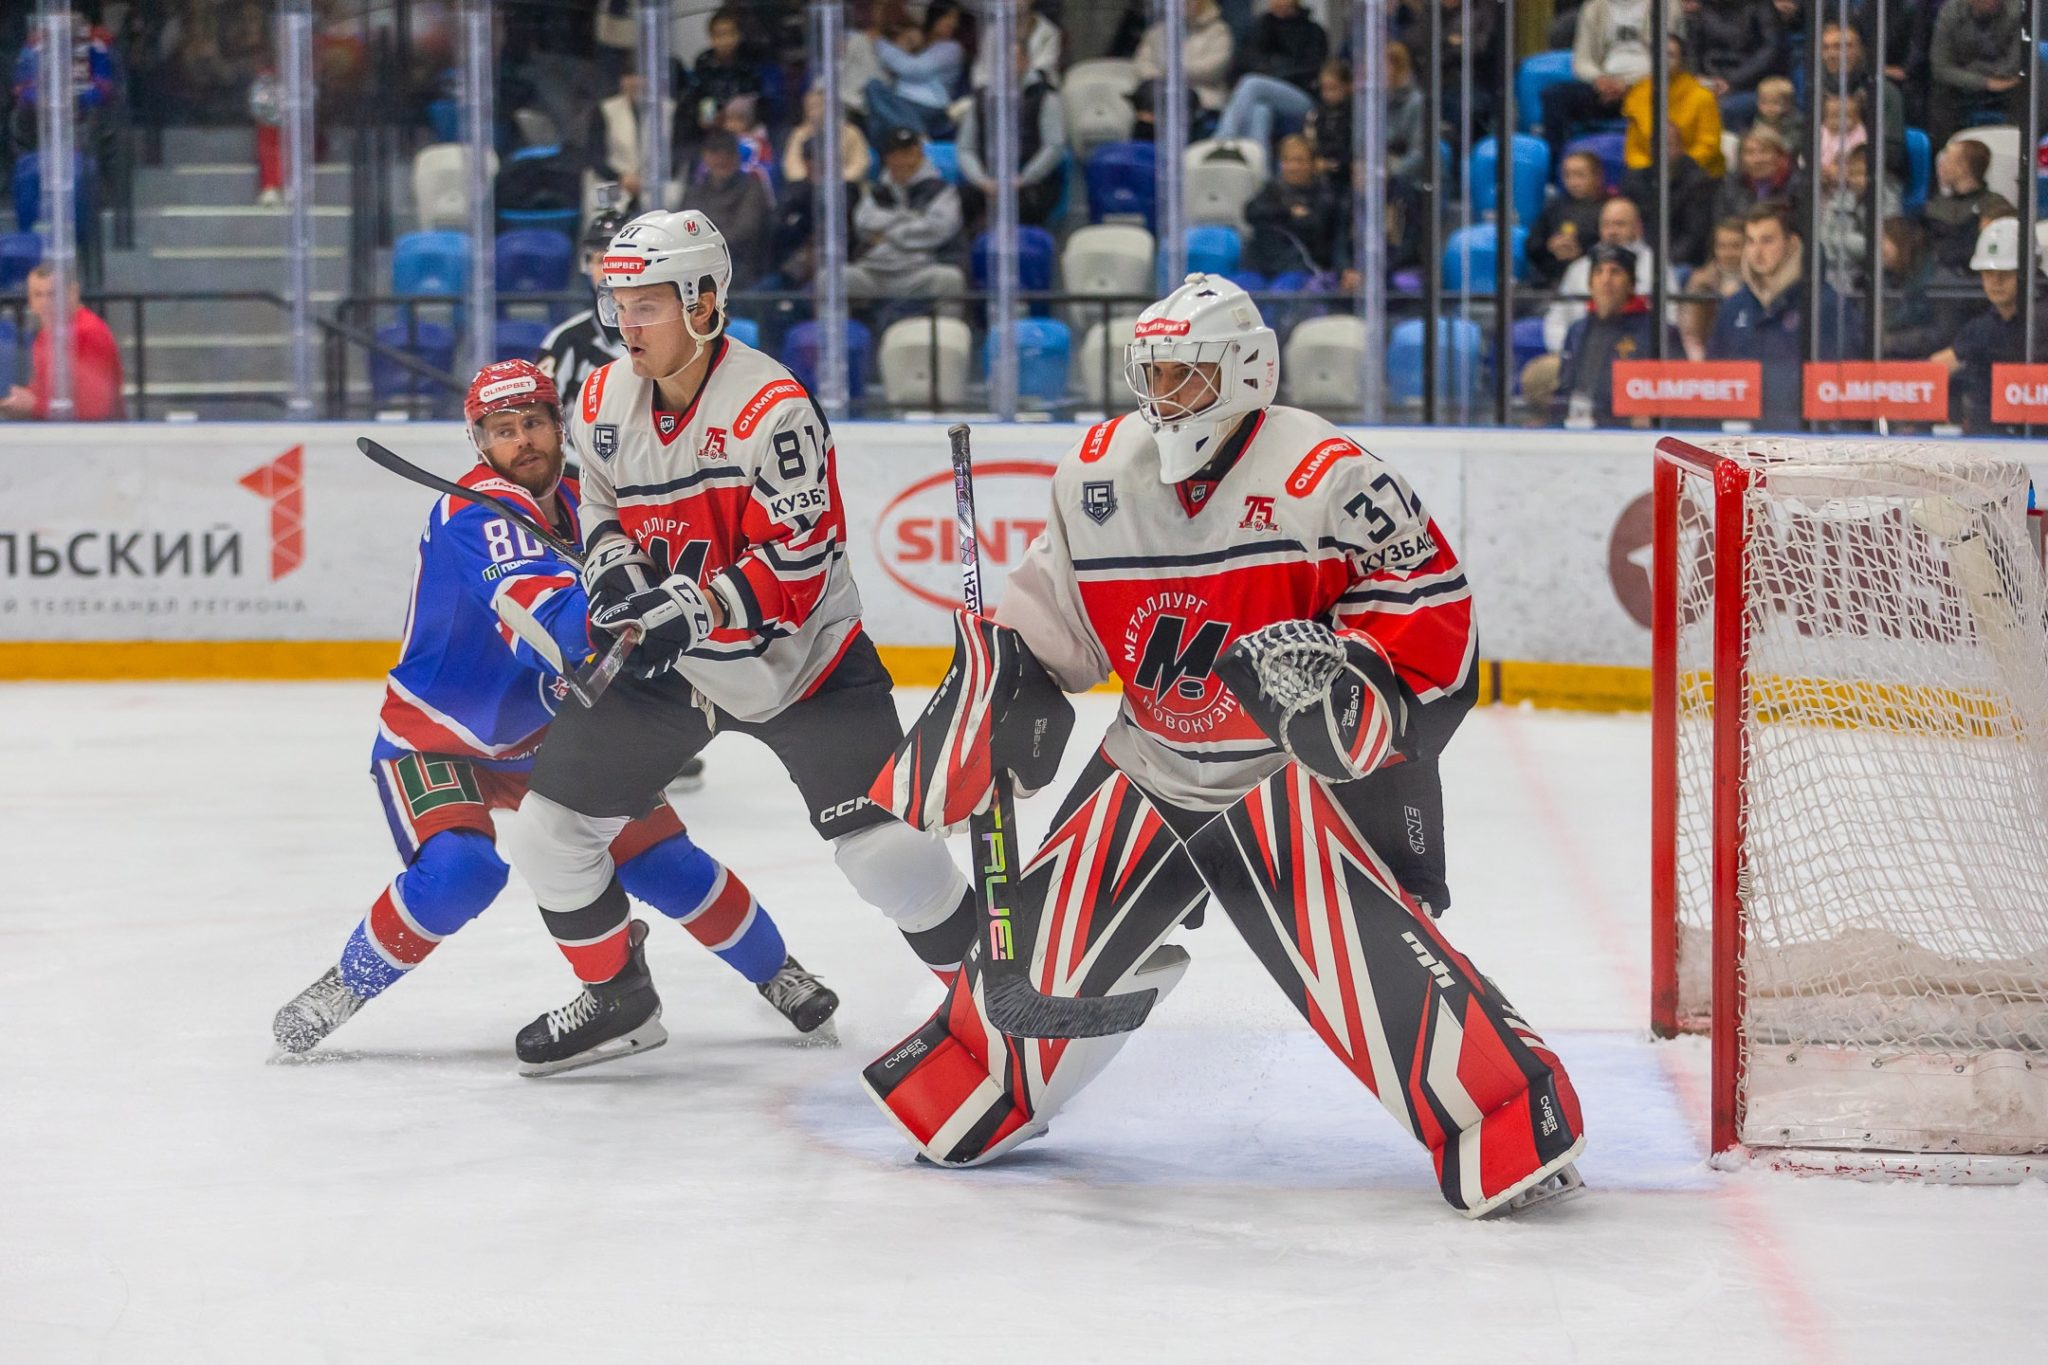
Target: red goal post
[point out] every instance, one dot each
(1849, 780)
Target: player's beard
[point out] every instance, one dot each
(539, 476)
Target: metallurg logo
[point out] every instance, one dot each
(1170, 648)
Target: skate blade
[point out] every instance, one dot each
(824, 1035)
(646, 1038)
(1559, 1187)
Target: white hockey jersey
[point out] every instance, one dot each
(1151, 582)
(741, 494)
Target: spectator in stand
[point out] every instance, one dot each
(92, 86)
(1953, 212)
(1205, 55)
(611, 142)
(1406, 144)
(1735, 44)
(1844, 243)
(866, 21)
(1409, 24)
(1328, 125)
(800, 153)
(1765, 319)
(1621, 224)
(1296, 220)
(722, 73)
(1916, 325)
(1690, 108)
(1777, 108)
(906, 218)
(95, 360)
(1764, 173)
(1843, 48)
(737, 201)
(924, 66)
(742, 118)
(1841, 131)
(1997, 335)
(1286, 55)
(1693, 193)
(1610, 54)
(1041, 148)
(1569, 223)
(1616, 326)
(1792, 25)
(1978, 58)
(1042, 41)
(1718, 279)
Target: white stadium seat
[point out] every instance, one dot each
(1095, 96)
(1106, 258)
(925, 356)
(2003, 141)
(1320, 363)
(1102, 376)
(1222, 175)
(440, 184)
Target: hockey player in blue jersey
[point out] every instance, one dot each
(464, 710)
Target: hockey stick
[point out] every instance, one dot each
(589, 684)
(1014, 1005)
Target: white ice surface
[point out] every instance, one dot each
(177, 860)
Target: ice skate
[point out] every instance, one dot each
(315, 1012)
(607, 1019)
(803, 1000)
(1560, 1186)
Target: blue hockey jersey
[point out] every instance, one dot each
(464, 683)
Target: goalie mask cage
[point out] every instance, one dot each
(1850, 786)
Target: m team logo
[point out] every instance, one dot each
(604, 440)
(1169, 651)
(1098, 500)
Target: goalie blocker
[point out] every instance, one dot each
(1296, 865)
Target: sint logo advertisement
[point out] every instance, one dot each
(917, 540)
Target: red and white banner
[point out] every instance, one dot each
(1688, 388)
(2019, 393)
(1866, 391)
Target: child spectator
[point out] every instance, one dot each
(1569, 223)
(1841, 130)
(1718, 279)
(1952, 213)
(1778, 110)
(1844, 243)
(1915, 324)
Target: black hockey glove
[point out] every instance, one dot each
(674, 612)
(1331, 701)
(615, 570)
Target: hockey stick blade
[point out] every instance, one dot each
(1021, 1012)
(390, 459)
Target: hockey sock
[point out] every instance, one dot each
(452, 878)
(942, 946)
(593, 938)
(694, 889)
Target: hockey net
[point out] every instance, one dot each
(1851, 773)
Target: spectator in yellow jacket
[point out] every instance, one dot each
(1694, 112)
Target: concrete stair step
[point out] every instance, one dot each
(190, 144)
(194, 317)
(238, 358)
(231, 182)
(190, 225)
(193, 269)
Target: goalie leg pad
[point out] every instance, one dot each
(1443, 1050)
(996, 710)
(1093, 908)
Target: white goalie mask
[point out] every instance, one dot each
(682, 249)
(1198, 360)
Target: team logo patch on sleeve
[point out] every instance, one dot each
(604, 440)
(1098, 500)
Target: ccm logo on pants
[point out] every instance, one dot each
(844, 808)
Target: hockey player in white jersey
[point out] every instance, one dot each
(713, 526)
(1295, 641)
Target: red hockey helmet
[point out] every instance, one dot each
(509, 384)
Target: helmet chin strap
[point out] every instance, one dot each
(703, 340)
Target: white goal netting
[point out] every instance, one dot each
(1894, 841)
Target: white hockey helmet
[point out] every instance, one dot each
(1211, 326)
(683, 249)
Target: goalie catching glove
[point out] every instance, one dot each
(1330, 701)
(996, 711)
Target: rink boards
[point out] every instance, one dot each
(267, 551)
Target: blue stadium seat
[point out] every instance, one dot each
(945, 159)
(518, 339)
(1526, 343)
(27, 188)
(430, 263)
(20, 252)
(1251, 281)
(1535, 75)
(1036, 251)
(744, 330)
(1919, 171)
(1213, 250)
(427, 341)
(1531, 168)
(564, 221)
(1469, 257)
(1043, 348)
(1291, 282)
(1120, 182)
(534, 261)
(444, 116)
(10, 354)
(1460, 353)
(1606, 146)
(800, 353)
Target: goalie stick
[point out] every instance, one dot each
(586, 685)
(1013, 1004)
